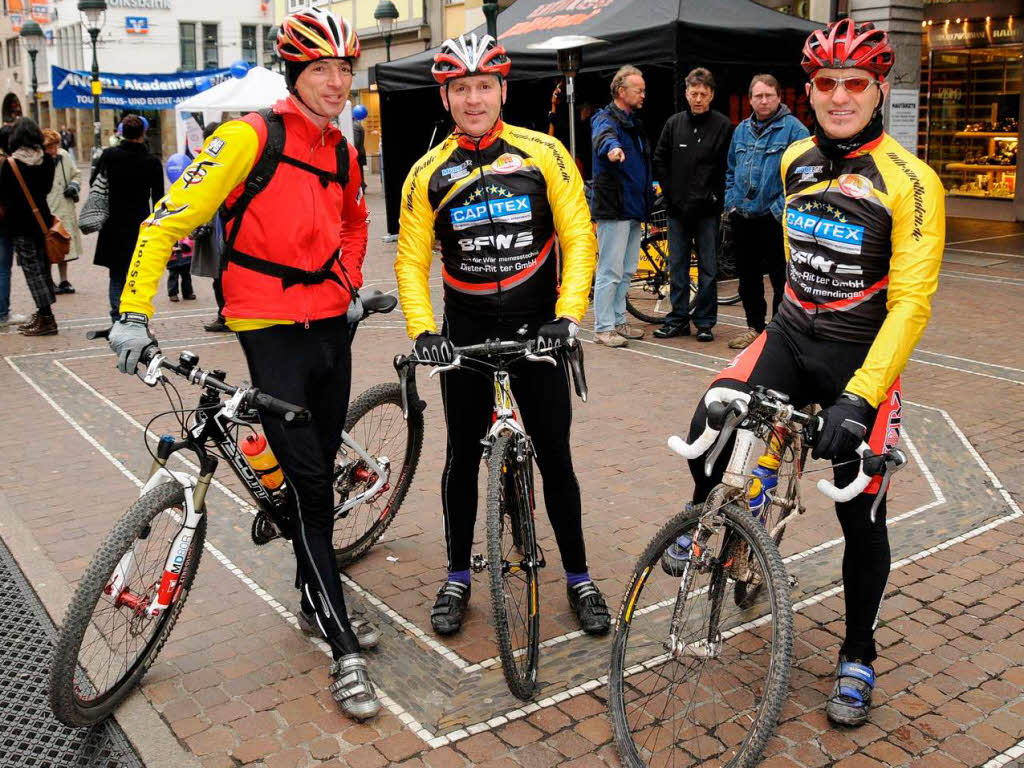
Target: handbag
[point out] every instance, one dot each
(58, 241)
(94, 213)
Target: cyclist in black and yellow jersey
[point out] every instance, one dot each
(864, 230)
(502, 202)
(288, 186)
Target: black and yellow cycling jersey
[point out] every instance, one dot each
(864, 240)
(501, 207)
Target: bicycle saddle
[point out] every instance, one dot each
(374, 301)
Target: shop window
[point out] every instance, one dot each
(269, 43)
(969, 118)
(187, 41)
(211, 53)
(249, 44)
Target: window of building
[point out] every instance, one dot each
(187, 37)
(269, 43)
(211, 52)
(13, 52)
(249, 45)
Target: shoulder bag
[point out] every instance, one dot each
(58, 241)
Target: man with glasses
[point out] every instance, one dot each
(753, 198)
(865, 229)
(295, 238)
(689, 162)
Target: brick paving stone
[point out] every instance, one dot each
(324, 748)
(360, 734)
(887, 753)
(287, 758)
(549, 719)
(444, 757)
(519, 733)
(991, 737)
(365, 757)
(256, 748)
(400, 746)
(216, 739)
(858, 761)
(596, 730)
(936, 727)
(299, 734)
(969, 751)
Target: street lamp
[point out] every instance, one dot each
(32, 37)
(385, 13)
(93, 15)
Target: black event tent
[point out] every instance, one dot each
(665, 38)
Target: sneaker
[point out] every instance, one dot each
(627, 331)
(189, 297)
(851, 697)
(449, 607)
(744, 340)
(40, 326)
(671, 330)
(366, 634)
(610, 339)
(14, 318)
(64, 287)
(352, 687)
(173, 298)
(217, 326)
(591, 610)
(705, 334)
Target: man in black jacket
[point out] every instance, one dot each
(690, 162)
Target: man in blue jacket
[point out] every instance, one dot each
(754, 200)
(620, 202)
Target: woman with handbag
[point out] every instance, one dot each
(25, 180)
(62, 199)
(135, 183)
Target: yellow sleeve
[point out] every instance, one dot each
(575, 233)
(792, 152)
(416, 251)
(227, 157)
(918, 238)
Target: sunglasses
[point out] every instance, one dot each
(851, 84)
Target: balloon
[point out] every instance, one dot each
(203, 83)
(176, 165)
(239, 68)
(359, 112)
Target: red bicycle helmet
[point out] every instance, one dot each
(316, 34)
(466, 55)
(844, 45)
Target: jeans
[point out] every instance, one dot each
(117, 281)
(618, 253)
(702, 232)
(174, 274)
(6, 262)
(759, 247)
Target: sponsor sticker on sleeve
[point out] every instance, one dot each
(215, 146)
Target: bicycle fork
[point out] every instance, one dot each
(147, 603)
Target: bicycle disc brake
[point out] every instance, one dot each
(264, 530)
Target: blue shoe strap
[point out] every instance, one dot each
(852, 693)
(861, 672)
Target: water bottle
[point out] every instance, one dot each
(262, 460)
(766, 477)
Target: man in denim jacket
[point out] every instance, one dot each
(754, 200)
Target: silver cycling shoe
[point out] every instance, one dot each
(352, 687)
(367, 635)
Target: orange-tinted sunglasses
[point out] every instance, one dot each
(851, 84)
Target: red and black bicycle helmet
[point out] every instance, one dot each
(467, 55)
(845, 45)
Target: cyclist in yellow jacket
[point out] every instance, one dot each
(503, 203)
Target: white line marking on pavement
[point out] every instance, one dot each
(989, 237)
(981, 279)
(1011, 754)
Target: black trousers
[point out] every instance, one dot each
(816, 371)
(311, 368)
(759, 248)
(542, 394)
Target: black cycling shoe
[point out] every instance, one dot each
(449, 607)
(850, 701)
(591, 610)
(705, 334)
(671, 330)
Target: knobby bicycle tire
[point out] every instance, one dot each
(776, 679)
(388, 394)
(508, 505)
(65, 702)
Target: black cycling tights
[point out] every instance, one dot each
(816, 371)
(312, 368)
(542, 394)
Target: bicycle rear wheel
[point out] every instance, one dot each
(513, 560)
(716, 694)
(647, 298)
(105, 644)
(375, 421)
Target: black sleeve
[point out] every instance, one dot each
(156, 182)
(98, 166)
(662, 165)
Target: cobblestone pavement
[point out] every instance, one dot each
(238, 684)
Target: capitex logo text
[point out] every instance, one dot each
(846, 238)
(510, 210)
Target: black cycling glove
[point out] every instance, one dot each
(844, 425)
(556, 333)
(434, 347)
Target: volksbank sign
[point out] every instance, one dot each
(72, 88)
(152, 5)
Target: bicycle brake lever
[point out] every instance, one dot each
(153, 374)
(737, 413)
(895, 460)
(456, 363)
(541, 358)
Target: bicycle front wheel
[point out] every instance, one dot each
(375, 421)
(513, 560)
(713, 688)
(107, 641)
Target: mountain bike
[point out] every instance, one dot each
(696, 674)
(136, 585)
(648, 296)
(514, 557)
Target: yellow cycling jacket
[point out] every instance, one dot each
(506, 210)
(864, 240)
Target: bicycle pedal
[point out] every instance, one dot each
(793, 582)
(263, 529)
(478, 563)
